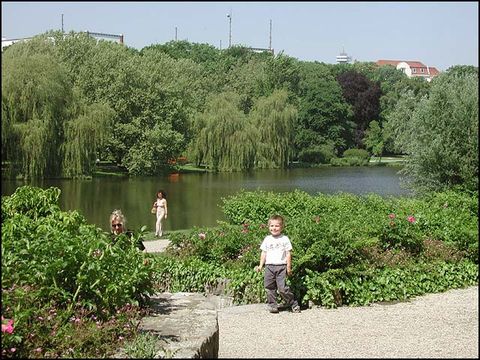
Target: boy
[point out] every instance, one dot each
(276, 256)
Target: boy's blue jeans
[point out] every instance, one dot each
(274, 279)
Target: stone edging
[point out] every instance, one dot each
(186, 325)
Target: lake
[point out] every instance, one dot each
(194, 199)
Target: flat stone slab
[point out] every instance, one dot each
(185, 323)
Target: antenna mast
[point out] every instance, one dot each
(229, 15)
(270, 44)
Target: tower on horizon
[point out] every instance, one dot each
(343, 58)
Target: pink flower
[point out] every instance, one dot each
(411, 219)
(391, 216)
(8, 327)
(39, 349)
(202, 236)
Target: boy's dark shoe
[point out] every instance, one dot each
(272, 309)
(296, 309)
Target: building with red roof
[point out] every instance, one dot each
(412, 68)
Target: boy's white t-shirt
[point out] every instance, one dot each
(276, 249)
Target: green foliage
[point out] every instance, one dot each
(374, 139)
(321, 154)
(347, 249)
(84, 137)
(401, 232)
(352, 157)
(274, 118)
(359, 153)
(54, 261)
(229, 110)
(440, 134)
(35, 94)
(142, 347)
(323, 114)
(350, 161)
(360, 286)
(226, 138)
(47, 129)
(152, 151)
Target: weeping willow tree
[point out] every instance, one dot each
(35, 96)
(44, 125)
(226, 139)
(274, 118)
(85, 134)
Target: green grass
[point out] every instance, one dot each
(387, 159)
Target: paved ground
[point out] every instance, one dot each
(443, 325)
(156, 245)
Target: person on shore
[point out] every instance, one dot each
(161, 205)
(277, 258)
(118, 227)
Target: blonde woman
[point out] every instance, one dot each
(118, 226)
(161, 205)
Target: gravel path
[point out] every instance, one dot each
(443, 325)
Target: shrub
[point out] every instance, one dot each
(362, 286)
(358, 153)
(317, 154)
(349, 161)
(54, 261)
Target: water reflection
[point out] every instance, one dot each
(195, 199)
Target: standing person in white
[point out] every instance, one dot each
(161, 205)
(277, 258)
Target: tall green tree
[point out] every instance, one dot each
(439, 133)
(374, 139)
(282, 72)
(85, 131)
(47, 129)
(226, 140)
(275, 119)
(323, 114)
(35, 96)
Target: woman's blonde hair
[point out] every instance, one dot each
(117, 214)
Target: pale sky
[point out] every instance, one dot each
(439, 34)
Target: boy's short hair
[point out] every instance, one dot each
(277, 218)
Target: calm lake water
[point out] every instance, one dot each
(194, 199)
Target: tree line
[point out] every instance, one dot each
(68, 100)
